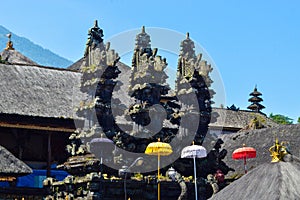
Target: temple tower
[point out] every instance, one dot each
(147, 88)
(255, 100)
(193, 79)
(97, 83)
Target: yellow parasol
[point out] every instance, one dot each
(158, 149)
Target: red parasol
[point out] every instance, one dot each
(244, 153)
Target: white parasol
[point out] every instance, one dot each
(194, 151)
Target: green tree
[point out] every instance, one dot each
(298, 120)
(281, 119)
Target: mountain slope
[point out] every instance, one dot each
(33, 51)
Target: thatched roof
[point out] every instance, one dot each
(12, 166)
(38, 91)
(76, 65)
(267, 181)
(231, 119)
(261, 140)
(13, 56)
(33, 90)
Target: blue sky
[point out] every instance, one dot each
(251, 42)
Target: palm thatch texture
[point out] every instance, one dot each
(15, 57)
(261, 140)
(236, 120)
(12, 166)
(268, 181)
(38, 91)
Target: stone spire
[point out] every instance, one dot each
(147, 87)
(187, 58)
(193, 79)
(187, 48)
(96, 52)
(189, 63)
(142, 46)
(147, 67)
(9, 44)
(95, 38)
(255, 101)
(142, 40)
(99, 72)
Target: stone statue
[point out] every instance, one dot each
(278, 151)
(215, 159)
(75, 144)
(213, 182)
(95, 37)
(178, 178)
(255, 123)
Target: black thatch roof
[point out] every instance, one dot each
(38, 91)
(237, 119)
(267, 181)
(255, 93)
(261, 140)
(50, 92)
(76, 65)
(12, 166)
(13, 56)
(33, 90)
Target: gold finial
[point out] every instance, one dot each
(187, 35)
(193, 142)
(143, 29)
(9, 44)
(158, 139)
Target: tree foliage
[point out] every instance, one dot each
(281, 119)
(298, 120)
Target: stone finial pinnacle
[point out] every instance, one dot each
(187, 35)
(96, 23)
(143, 29)
(8, 36)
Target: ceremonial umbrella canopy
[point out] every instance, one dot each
(244, 153)
(194, 151)
(98, 145)
(158, 149)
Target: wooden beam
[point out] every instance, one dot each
(49, 155)
(25, 126)
(7, 178)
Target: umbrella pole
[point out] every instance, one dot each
(195, 178)
(158, 177)
(245, 165)
(101, 163)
